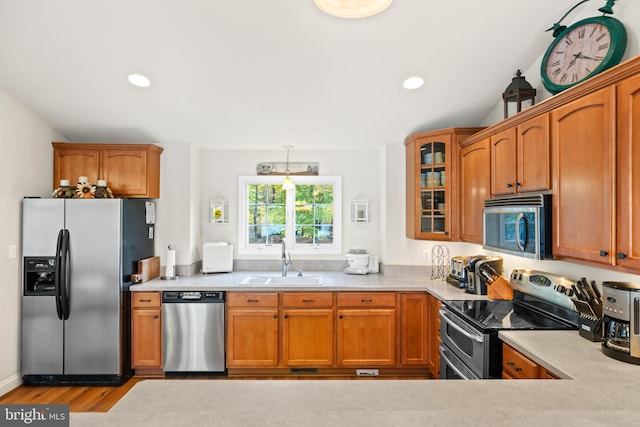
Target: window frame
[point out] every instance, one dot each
(245, 248)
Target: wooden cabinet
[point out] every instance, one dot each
(131, 170)
(431, 183)
(475, 185)
(252, 329)
(434, 335)
(520, 158)
(146, 330)
(583, 153)
(366, 329)
(307, 329)
(628, 173)
(515, 365)
(414, 329)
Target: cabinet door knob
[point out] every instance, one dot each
(604, 253)
(509, 185)
(622, 255)
(155, 316)
(286, 316)
(518, 184)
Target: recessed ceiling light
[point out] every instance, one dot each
(413, 83)
(352, 8)
(139, 80)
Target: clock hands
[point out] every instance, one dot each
(579, 55)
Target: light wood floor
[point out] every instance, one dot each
(102, 398)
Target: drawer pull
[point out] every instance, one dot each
(307, 300)
(144, 300)
(252, 300)
(366, 300)
(155, 316)
(513, 365)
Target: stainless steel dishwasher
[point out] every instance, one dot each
(193, 329)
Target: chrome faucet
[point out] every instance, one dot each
(285, 263)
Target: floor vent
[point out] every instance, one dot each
(367, 372)
(304, 370)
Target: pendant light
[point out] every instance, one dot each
(352, 8)
(288, 184)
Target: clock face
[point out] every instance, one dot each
(585, 49)
(578, 53)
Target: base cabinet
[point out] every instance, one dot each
(433, 342)
(414, 329)
(252, 330)
(515, 366)
(146, 330)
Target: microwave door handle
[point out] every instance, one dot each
(521, 218)
(455, 326)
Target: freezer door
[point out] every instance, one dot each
(41, 329)
(41, 336)
(92, 332)
(42, 219)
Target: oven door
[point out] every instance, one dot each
(452, 368)
(465, 342)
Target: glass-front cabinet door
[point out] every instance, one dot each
(432, 160)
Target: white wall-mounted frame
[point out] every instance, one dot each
(359, 210)
(219, 211)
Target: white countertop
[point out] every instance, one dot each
(332, 281)
(596, 390)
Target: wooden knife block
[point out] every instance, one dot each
(500, 289)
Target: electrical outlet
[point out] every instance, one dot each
(425, 254)
(13, 252)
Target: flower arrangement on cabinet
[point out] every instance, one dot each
(83, 190)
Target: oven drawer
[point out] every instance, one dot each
(452, 368)
(472, 347)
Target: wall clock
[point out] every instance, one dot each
(581, 51)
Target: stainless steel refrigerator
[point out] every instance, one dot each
(78, 256)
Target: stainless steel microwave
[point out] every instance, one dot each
(519, 225)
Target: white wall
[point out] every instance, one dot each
(360, 173)
(26, 169)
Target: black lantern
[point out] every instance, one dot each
(519, 91)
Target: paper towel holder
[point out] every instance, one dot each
(170, 270)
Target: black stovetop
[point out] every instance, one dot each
(524, 312)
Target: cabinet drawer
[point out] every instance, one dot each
(517, 365)
(307, 299)
(252, 299)
(145, 299)
(367, 299)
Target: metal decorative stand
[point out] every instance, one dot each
(440, 262)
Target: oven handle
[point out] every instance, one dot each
(451, 365)
(448, 320)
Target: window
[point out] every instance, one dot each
(309, 216)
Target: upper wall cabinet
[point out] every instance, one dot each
(520, 158)
(432, 170)
(131, 170)
(475, 187)
(628, 164)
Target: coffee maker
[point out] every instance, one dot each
(621, 323)
(477, 282)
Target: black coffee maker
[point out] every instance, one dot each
(621, 323)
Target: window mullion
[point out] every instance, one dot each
(291, 217)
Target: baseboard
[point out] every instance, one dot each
(10, 383)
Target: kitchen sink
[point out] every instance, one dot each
(263, 280)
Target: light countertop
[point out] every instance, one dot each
(332, 281)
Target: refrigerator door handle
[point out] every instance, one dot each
(57, 279)
(65, 294)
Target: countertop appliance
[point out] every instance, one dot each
(458, 273)
(470, 347)
(78, 256)
(621, 309)
(519, 225)
(193, 327)
(361, 262)
(477, 282)
(217, 257)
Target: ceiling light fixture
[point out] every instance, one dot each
(288, 184)
(352, 8)
(413, 83)
(139, 80)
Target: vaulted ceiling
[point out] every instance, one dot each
(265, 73)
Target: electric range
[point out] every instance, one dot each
(470, 347)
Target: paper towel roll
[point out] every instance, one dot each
(170, 266)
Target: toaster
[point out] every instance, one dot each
(458, 274)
